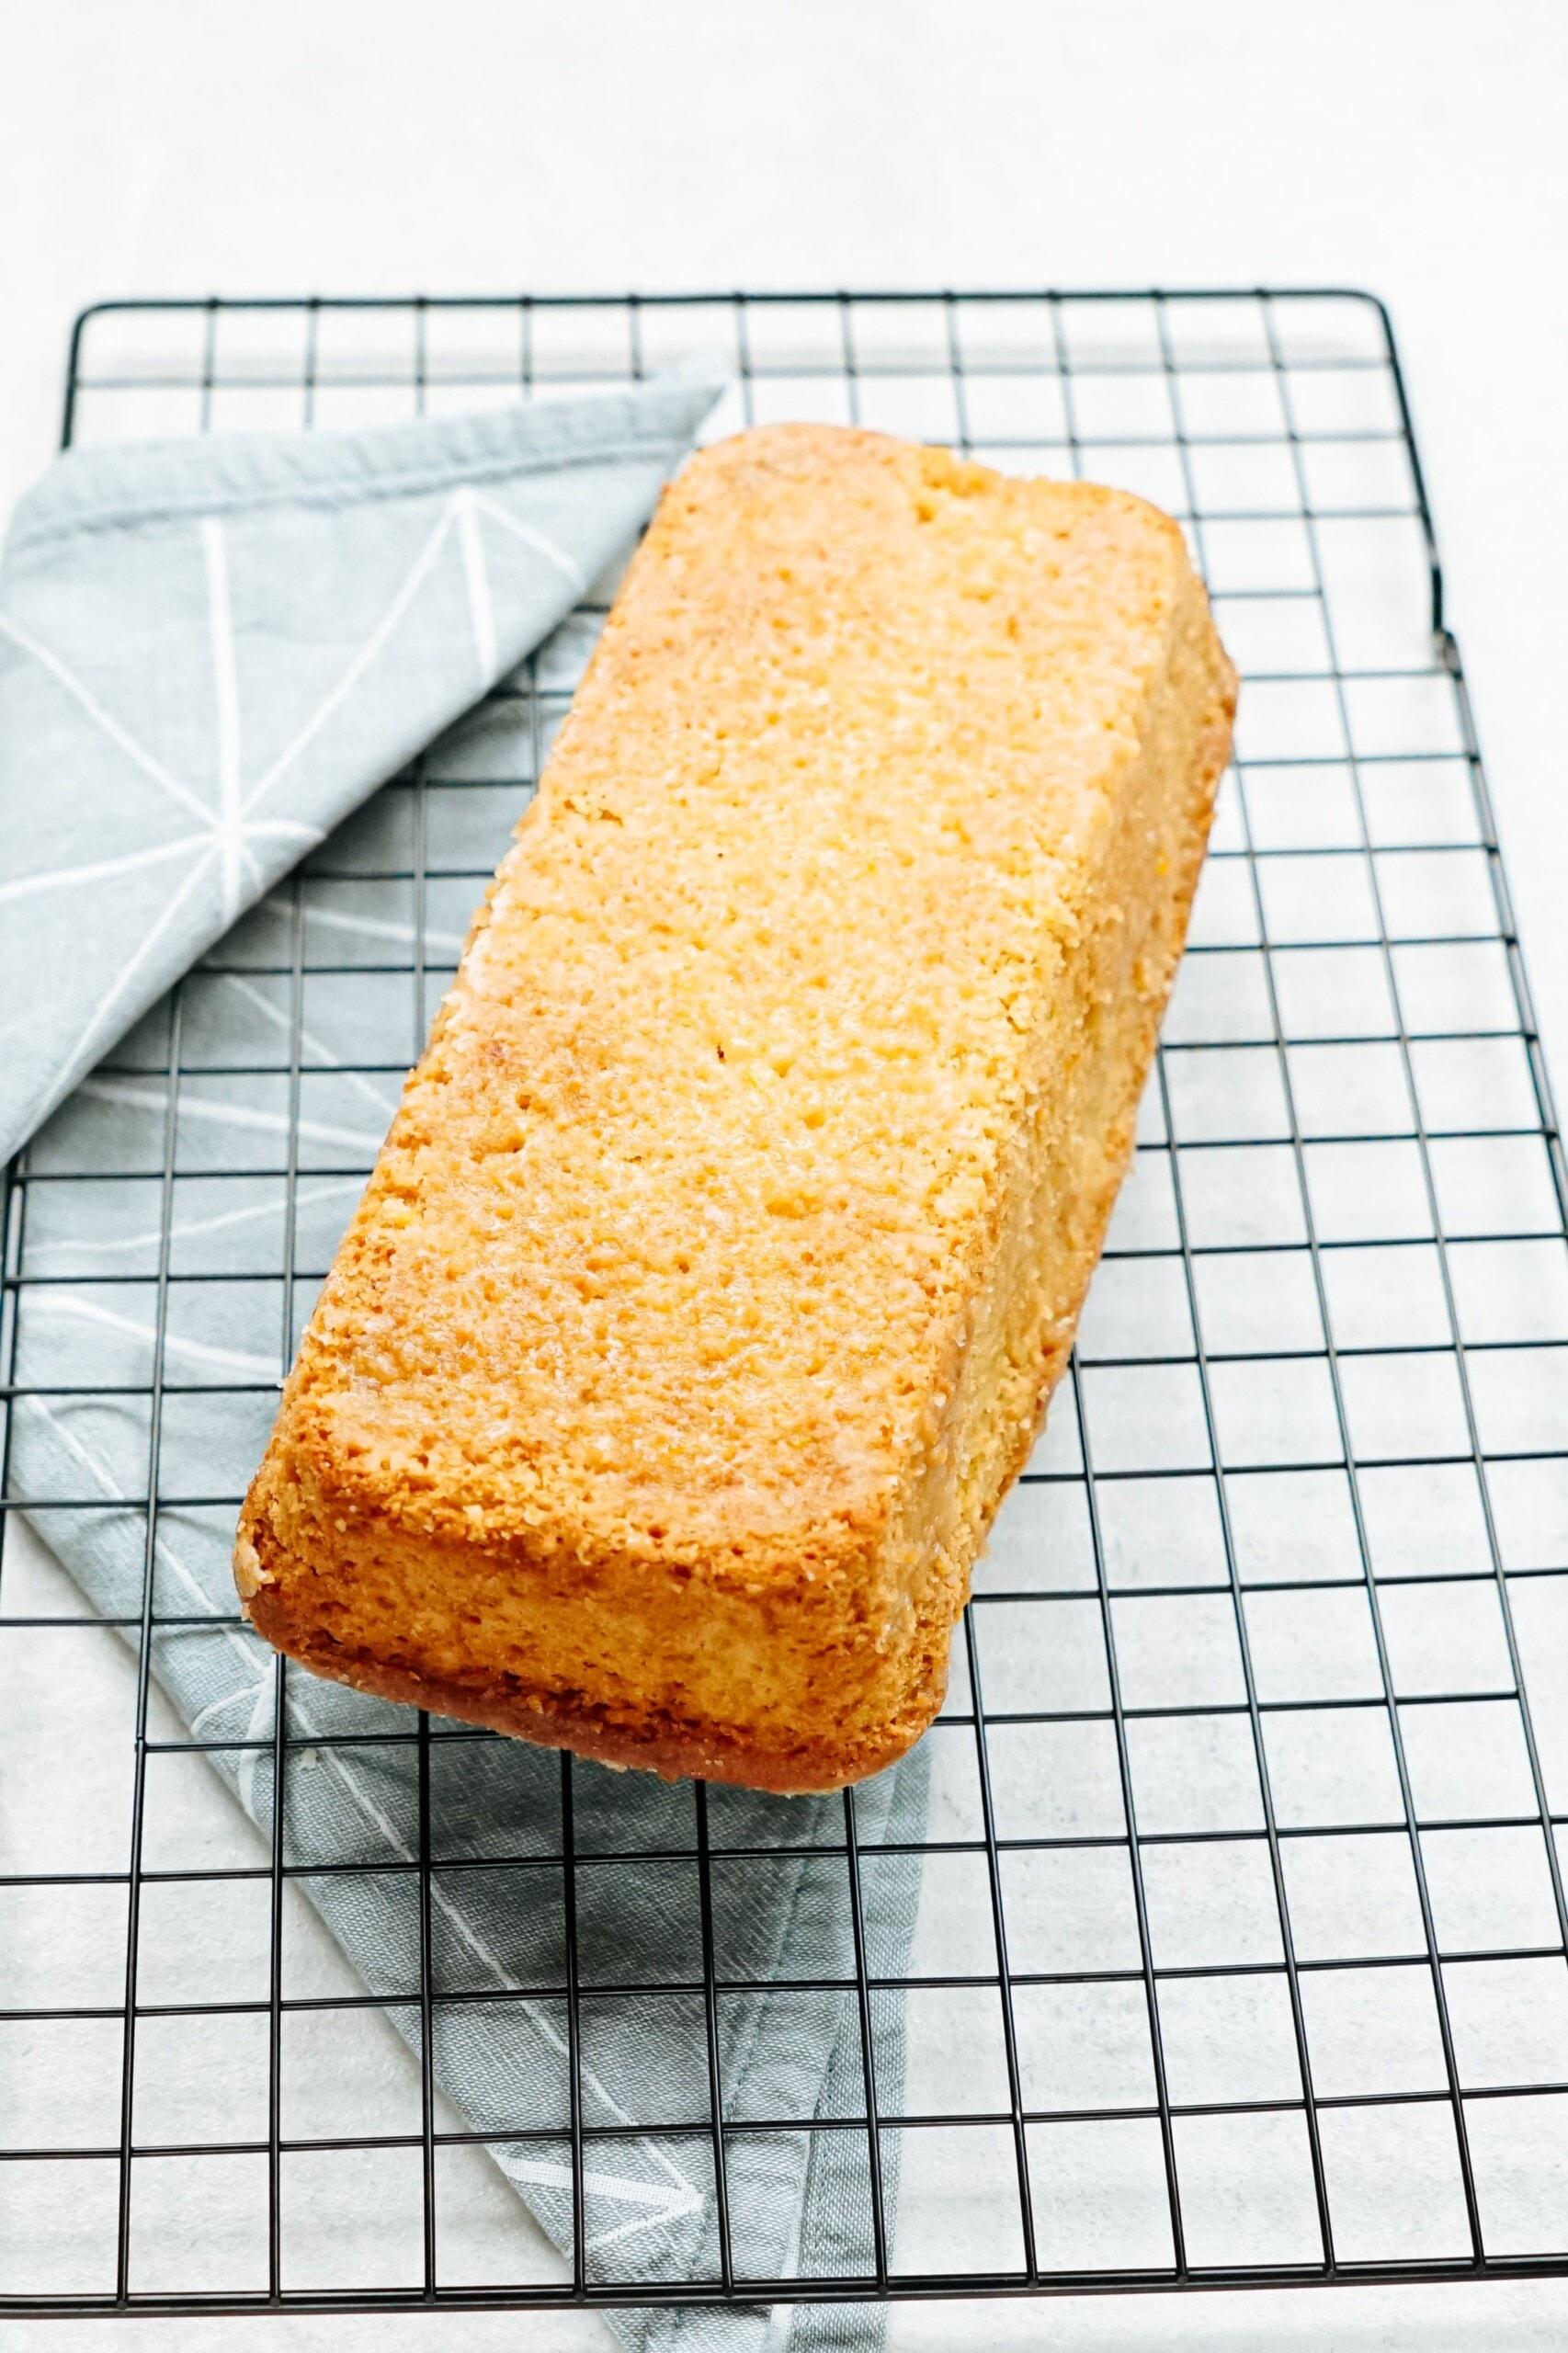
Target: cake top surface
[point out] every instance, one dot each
(670, 1243)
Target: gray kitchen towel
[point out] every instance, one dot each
(210, 651)
(192, 1288)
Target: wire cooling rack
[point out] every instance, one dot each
(1240, 1954)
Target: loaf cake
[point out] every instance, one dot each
(731, 1231)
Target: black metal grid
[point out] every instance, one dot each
(1225, 1604)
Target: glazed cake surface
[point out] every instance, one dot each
(710, 1287)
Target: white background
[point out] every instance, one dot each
(1418, 147)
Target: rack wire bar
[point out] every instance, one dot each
(1242, 1949)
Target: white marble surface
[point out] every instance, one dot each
(1416, 146)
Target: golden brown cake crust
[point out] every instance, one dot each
(675, 1750)
(733, 1229)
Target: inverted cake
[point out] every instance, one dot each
(710, 1284)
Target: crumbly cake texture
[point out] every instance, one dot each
(730, 1236)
